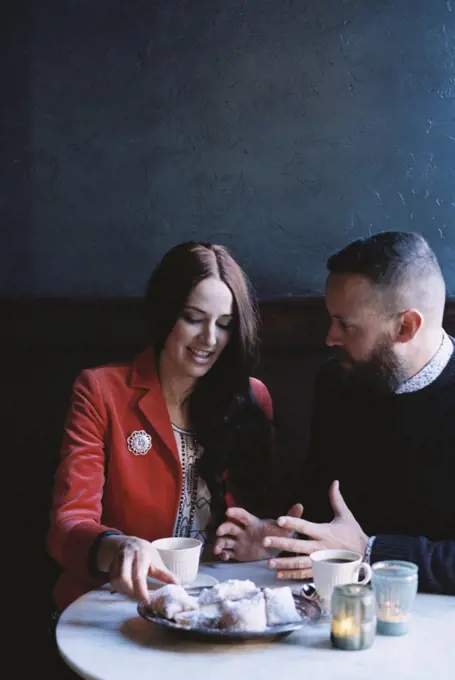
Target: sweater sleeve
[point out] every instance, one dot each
(435, 559)
(79, 481)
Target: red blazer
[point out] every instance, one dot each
(100, 484)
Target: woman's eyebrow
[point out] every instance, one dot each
(195, 309)
(201, 311)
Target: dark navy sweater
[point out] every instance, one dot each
(394, 456)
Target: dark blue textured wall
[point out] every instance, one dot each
(280, 128)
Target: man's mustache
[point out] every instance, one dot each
(341, 355)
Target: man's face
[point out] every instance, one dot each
(361, 335)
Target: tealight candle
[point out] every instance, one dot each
(344, 627)
(391, 620)
(353, 617)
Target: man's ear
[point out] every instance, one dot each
(410, 322)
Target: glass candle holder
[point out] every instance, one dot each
(353, 617)
(395, 587)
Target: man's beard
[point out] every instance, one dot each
(381, 373)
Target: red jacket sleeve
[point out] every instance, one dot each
(79, 481)
(262, 396)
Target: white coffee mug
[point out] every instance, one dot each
(181, 556)
(332, 568)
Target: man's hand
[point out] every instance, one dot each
(242, 536)
(344, 532)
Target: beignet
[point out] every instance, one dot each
(246, 615)
(171, 600)
(280, 606)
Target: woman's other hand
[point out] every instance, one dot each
(242, 535)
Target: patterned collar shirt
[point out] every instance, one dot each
(431, 371)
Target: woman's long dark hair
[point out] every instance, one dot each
(227, 421)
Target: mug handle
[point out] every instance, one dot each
(368, 573)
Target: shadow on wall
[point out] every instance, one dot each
(16, 114)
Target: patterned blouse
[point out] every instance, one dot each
(193, 514)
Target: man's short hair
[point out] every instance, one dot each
(385, 256)
(401, 264)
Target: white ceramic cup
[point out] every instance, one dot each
(328, 572)
(181, 556)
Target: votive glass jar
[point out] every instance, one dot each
(353, 625)
(395, 586)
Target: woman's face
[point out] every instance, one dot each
(202, 331)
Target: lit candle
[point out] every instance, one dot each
(345, 627)
(395, 587)
(353, 617)
(392, 612)
(391, 619)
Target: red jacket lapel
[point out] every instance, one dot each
(152, 403)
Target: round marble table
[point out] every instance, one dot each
(102, 637)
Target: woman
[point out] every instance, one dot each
(161, 446)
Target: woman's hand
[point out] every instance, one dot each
(241, 537)
(129, 560)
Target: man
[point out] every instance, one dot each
(383, 424)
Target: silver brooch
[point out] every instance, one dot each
(139, 442)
